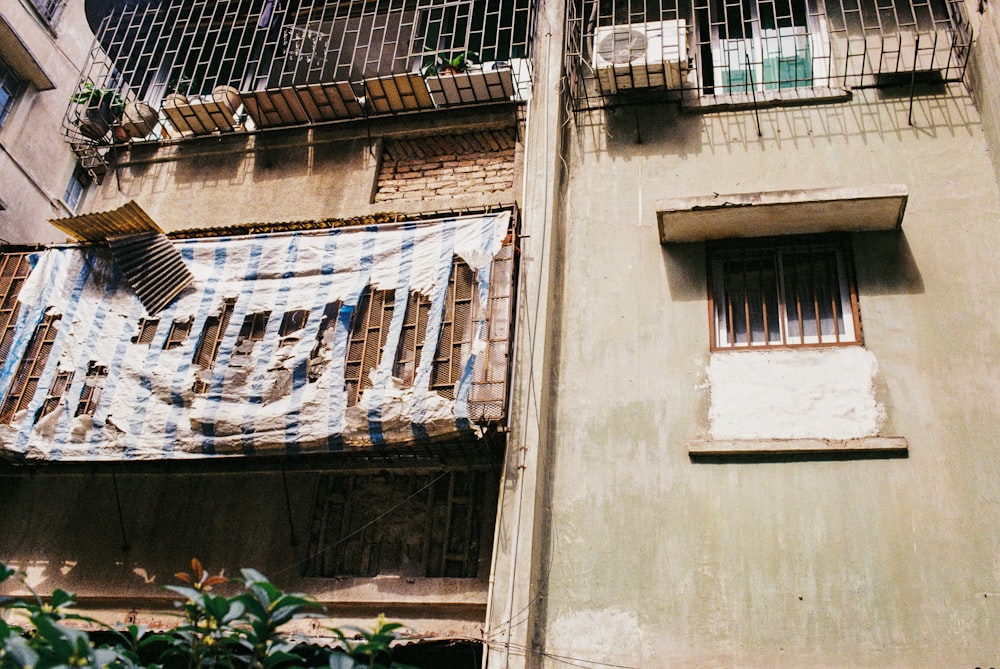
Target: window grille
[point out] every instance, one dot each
(14, 269)
(624, 50)
(369, 330)
(11, 86)
(90, 397)
(781, 292)
(294, 62)
(30, 369)
(211, 338)
(436, 527)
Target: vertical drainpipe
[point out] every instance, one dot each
(520, 546)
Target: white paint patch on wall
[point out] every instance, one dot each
(794, 394)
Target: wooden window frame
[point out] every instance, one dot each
(178, 334)
(146, 331)
(770, 253)
(30, 369)
(90, 395)
(212, 333)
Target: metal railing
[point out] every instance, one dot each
(706, 51)
(162, 69)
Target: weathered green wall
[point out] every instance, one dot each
(655, 560)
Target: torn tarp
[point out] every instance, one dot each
(150, 398)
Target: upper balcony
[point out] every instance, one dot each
(168, 69)
(712, 53)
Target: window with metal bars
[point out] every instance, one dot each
(304, 61)
(726, 47)
(758, 45)
(14, 269)
(211, 339)
(438, 525)
(369, 331)
(796, 291)
(373, 315)
(30, 369)
(455, 338)
(90, 396)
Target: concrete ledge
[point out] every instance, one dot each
(785, 212)
(716, 447)
(787, 97)
(21, 58)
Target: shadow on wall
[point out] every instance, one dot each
(884, 265)
(68, 528)
(665, 129)
(684, 265)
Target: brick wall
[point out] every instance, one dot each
(424, 167)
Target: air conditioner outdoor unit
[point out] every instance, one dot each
(641, 55)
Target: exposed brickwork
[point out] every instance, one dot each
(424, 167)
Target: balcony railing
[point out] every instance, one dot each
(162, 69)
(718, 51)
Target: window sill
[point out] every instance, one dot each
(706, 104)
(863, 446)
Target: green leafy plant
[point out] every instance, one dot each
(437, 63)
(368, 649)
(49, 643)
(230, 632)
(92, 96)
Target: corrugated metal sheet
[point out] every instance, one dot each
(125, 220)
(153, 267)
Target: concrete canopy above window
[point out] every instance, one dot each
(786, 212)
(21, 59)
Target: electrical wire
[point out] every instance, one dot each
(364, 527)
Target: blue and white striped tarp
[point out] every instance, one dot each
(259, 402)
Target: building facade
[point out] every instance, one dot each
(737, 414)
(42, 50)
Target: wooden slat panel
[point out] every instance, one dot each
(398, 92)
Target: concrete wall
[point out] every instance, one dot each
(64, 531)
(653, 559)
(35, 161)
(984, 71)
(286, 175)
(63, 528)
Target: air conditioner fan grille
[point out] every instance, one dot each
(622, 46)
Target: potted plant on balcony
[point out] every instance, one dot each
(100, 109)
(461, 78)
(444, 63)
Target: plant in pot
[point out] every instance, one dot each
(438, 63)
(100, 109)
